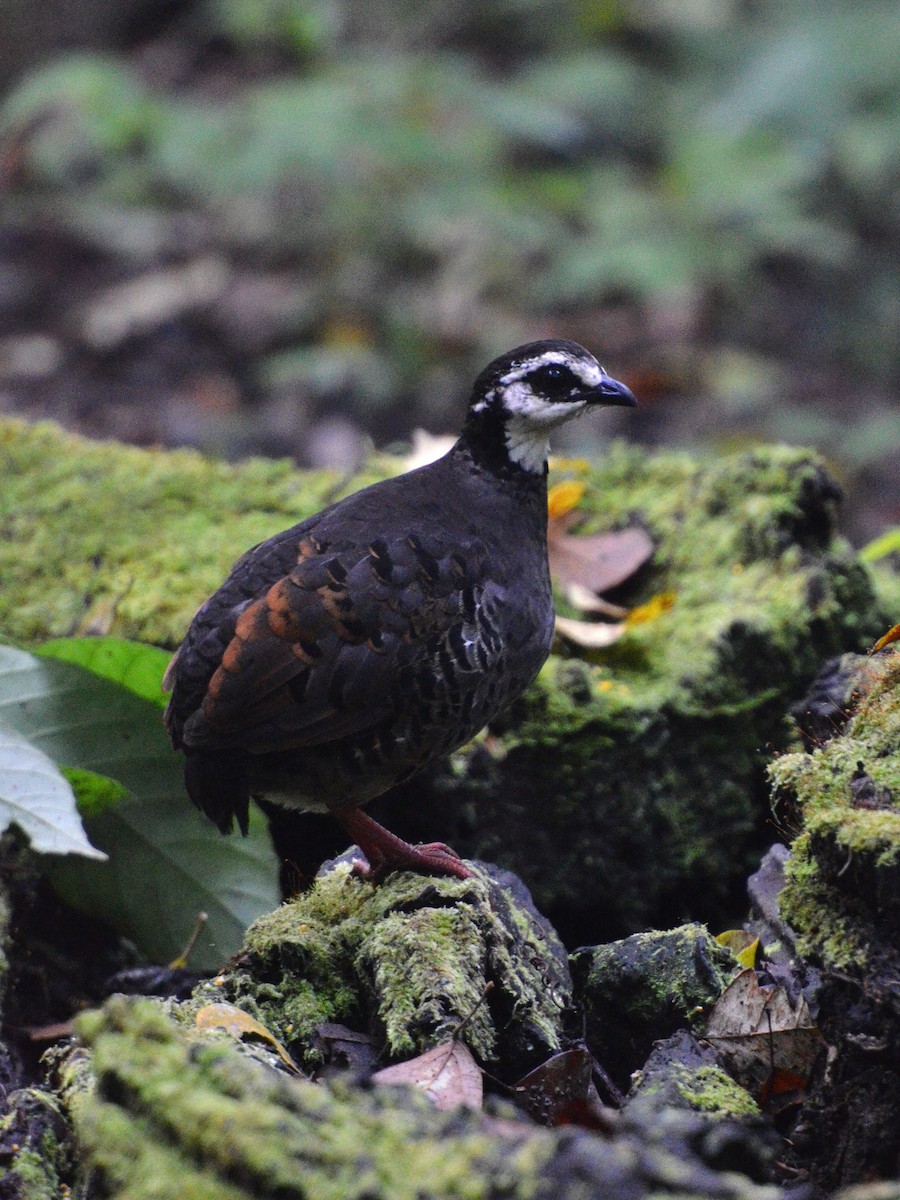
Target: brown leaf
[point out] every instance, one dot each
(240, 1024)
(561, 1092)
(599, 561)
(447, 1074)
(346, 1047)
(760, 1031)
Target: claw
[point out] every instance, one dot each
(385, 852)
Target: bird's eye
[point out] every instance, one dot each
(554, 381)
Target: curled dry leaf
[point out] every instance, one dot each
(240, 1025)
(561, 1091)
(760, 1031)
(563, 497)
(346, 1048)
(558, 462)
(583, 567)
(587, 601)
(447, 1074)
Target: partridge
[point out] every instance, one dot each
(345, 654)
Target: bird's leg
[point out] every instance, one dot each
(386, 852)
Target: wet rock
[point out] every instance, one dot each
(645, 987)
(684, 1096)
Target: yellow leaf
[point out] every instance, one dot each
(569, 464)
(743, 945)
(565, 496)
(240, 1024)
(892, 635)
(653, 609)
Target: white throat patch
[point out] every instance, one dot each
(528, 430)
(527, 445)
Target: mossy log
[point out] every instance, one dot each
(641, 764)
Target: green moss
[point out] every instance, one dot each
(712, 1091)
(411, 957)
(34, 1175)
(173, 1117)
(819, 914)
(841, 880)
(128, 541)
(33, 1133)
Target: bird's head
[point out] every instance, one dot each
(527, 392)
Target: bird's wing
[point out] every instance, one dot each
(321, 652)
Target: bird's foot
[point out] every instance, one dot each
(385, 852)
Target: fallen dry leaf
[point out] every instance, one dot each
(592, 635)
(447, 1074)
(760, 1031)
(240, 1024)
(561, 1091)
(426, 448)
(345, 1047)
(652, 610)
(561, 463)
(598, 561)
(584, 599)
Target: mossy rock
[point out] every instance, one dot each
(641, 765)
(411, 961)
(842, 901)
(685, 1076)
(843, 880)
(645, 987)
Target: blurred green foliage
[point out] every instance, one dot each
(444, 175)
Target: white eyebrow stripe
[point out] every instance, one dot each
(589, 373)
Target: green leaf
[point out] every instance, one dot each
(36, 796)
(137, 666)
(881, 547)
(166, 862)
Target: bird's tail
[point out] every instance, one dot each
(217, 782)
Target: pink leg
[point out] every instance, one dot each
(386, 852)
